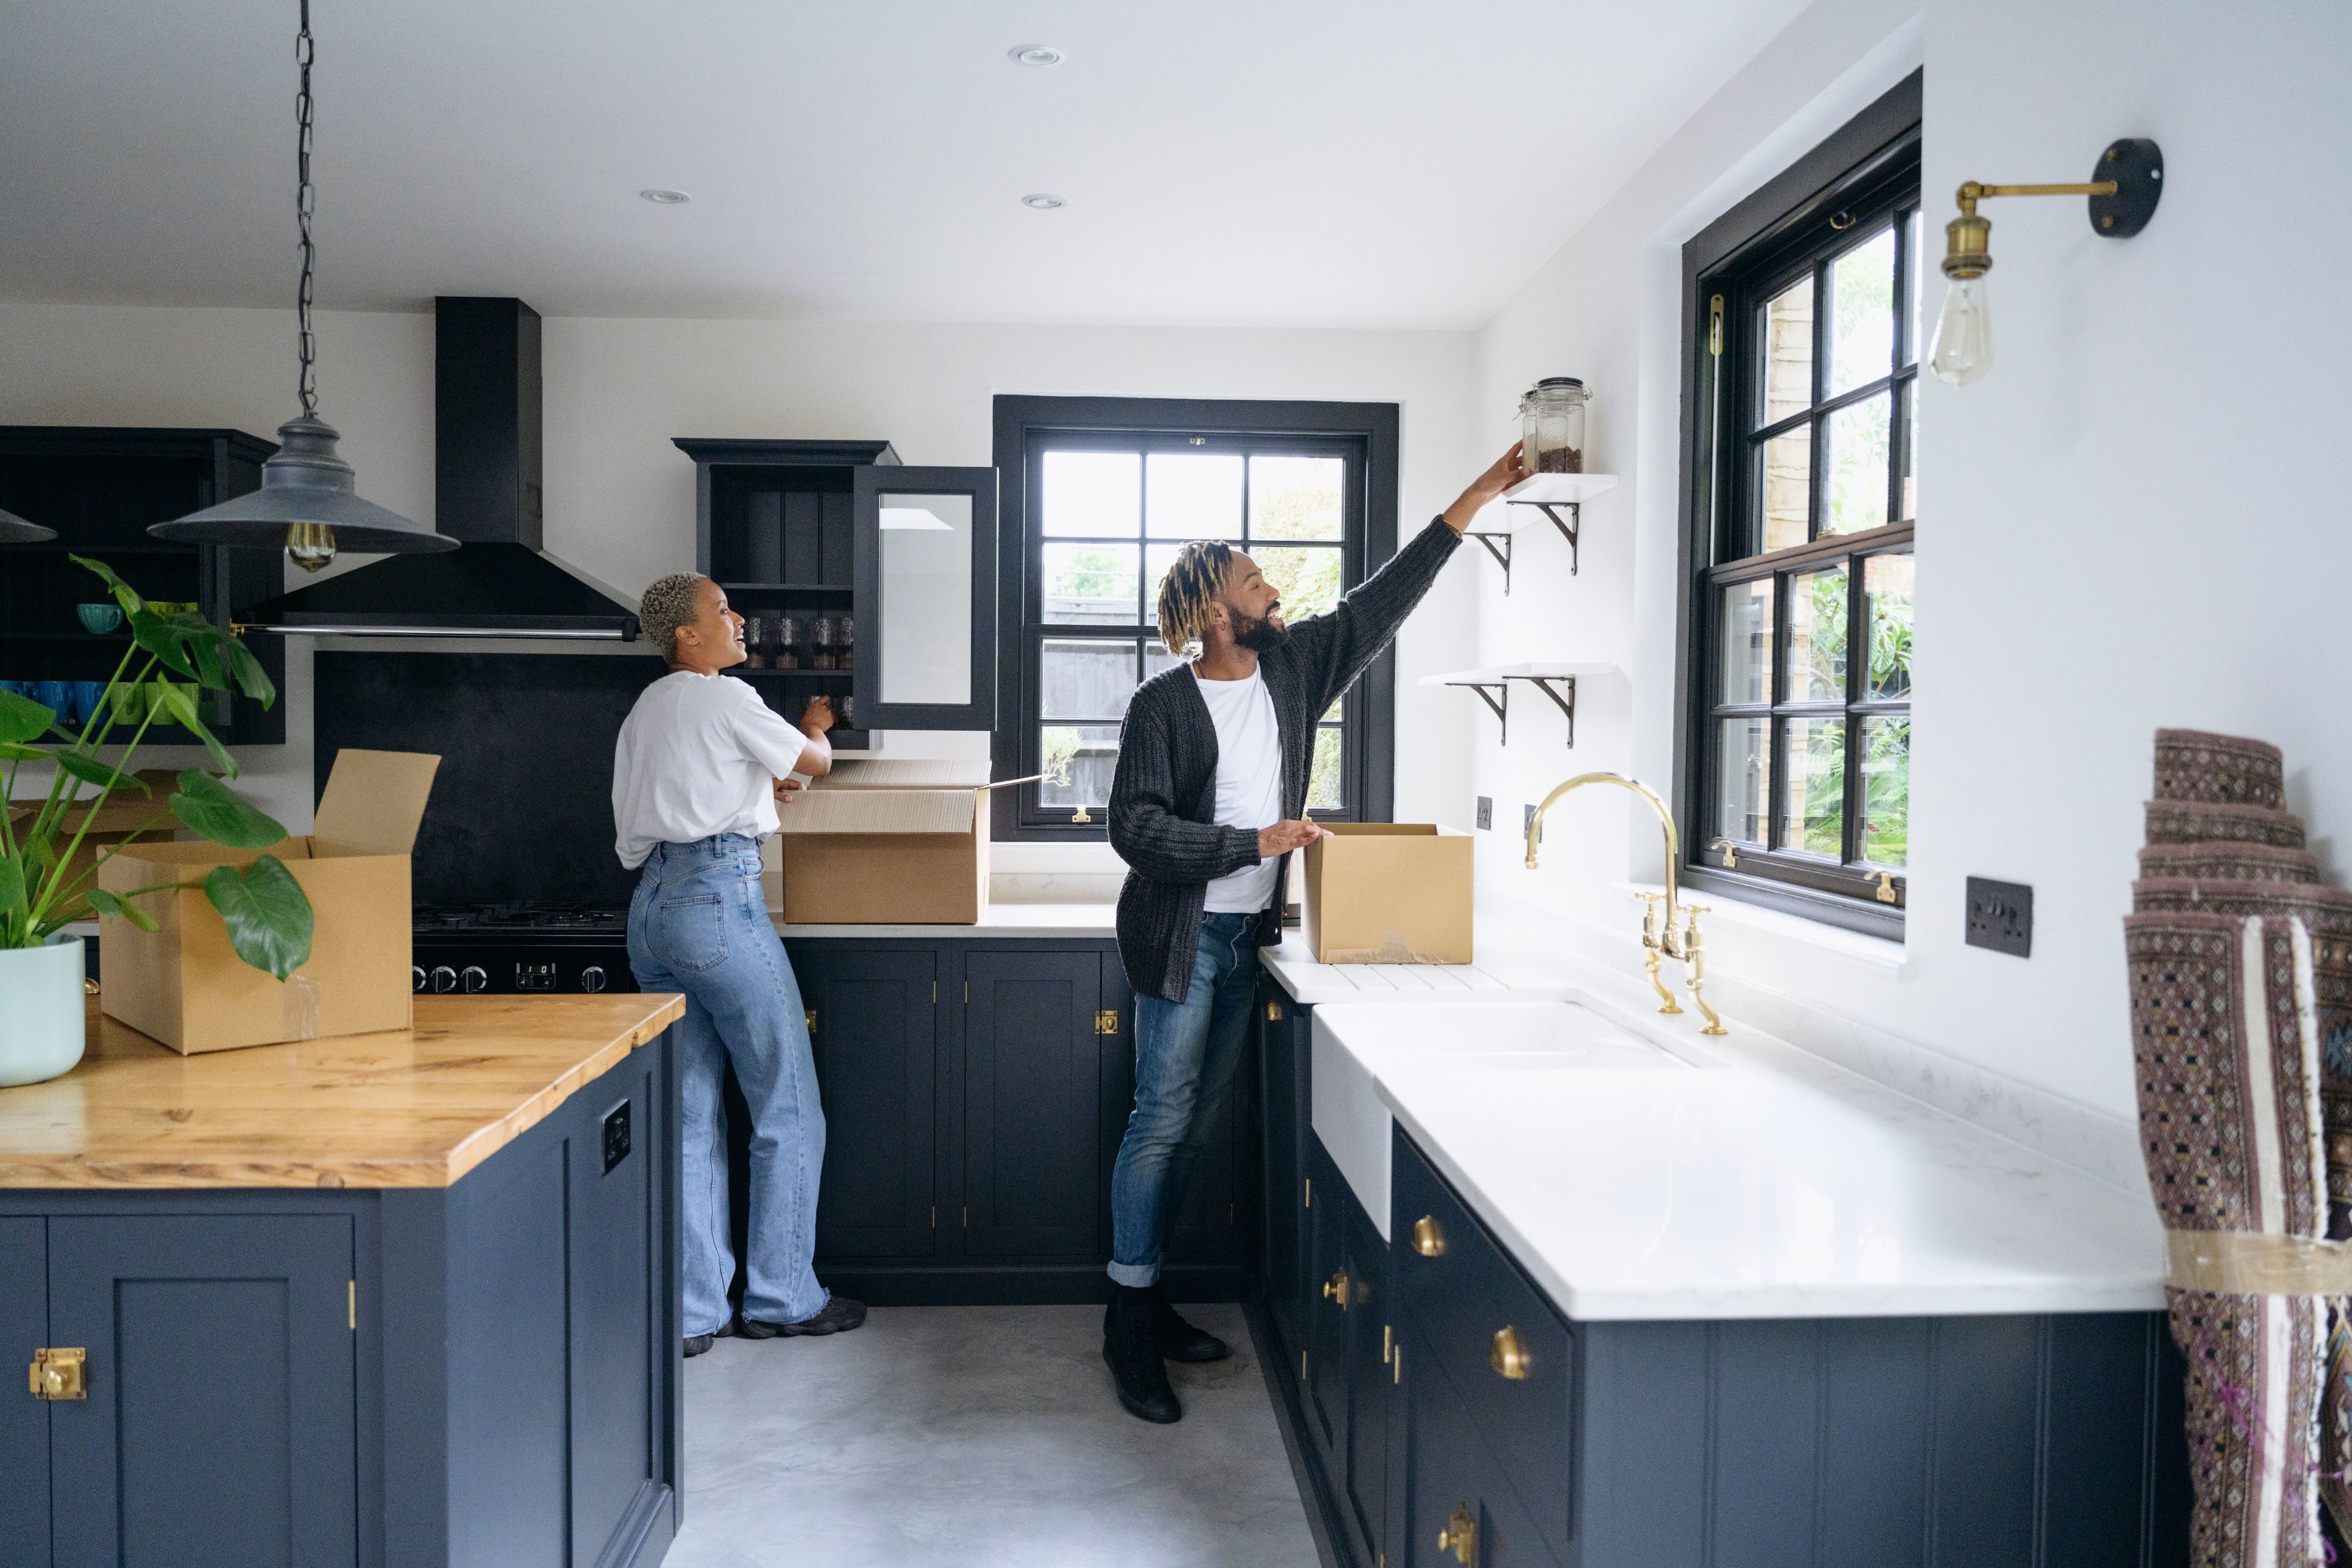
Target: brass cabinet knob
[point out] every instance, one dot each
(58, 1373)
(1460, 1536)
(1335, 1288)
(1427, 1238)
(1508, 1356)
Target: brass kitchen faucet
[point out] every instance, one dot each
(1676, 934)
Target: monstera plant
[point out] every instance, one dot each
(267, 915)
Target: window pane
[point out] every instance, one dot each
(1813, 817)
(1092, 492)
(1817, 636)
(1747, 643)
(1787, 488)
(1306, 577)
(1156, 658)
(1090, 585)
(1325, 790)
(1857, 468)
(1079, 760)
(1917, 328)
(1862, 313)
(1787, 353)
(1886, 790)
(1743, 772)
(1295, 497)
(1888, 579)
(1193, 495)
(1089, 679)
(1908, 498)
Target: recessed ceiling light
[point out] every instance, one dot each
(1042, 202)
(666, 198)
(1038, 54)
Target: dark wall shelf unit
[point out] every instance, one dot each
(99, 488)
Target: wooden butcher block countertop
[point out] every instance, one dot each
(407, 1107)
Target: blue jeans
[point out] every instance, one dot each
(698, 924)
(1185, 1054)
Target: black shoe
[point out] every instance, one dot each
(1180, 1340)
(840, 1315)
(1132, 1351)
(697, 1343)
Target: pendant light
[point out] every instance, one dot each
(308, 500)
(14, 530)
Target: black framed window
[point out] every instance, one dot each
(1805, 326)
(1104, 493)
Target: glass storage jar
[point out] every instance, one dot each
(1551, 415)
(784, 642)
(845, 642)
(821, 641)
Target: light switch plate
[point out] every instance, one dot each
(1487, 812)
(616, 1136)
(2000, 916)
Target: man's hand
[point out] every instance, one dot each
(1284, 836)
(1505, 471)
(786, 788)
(817, 717)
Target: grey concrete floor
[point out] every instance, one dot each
(975, 1437)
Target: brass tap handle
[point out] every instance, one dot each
(1460, 1536)
(1507, 1356)
(1694, 970)
(1428, 1238)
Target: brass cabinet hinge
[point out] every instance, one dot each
(935, 1216)
(967, 1216)
(1302, 1366)
(354, 1304)
(1307, 1202)
(935, 993)
(1396, 1362)
(1107, 1023)
(58, 1373)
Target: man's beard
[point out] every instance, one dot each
(1261, 634)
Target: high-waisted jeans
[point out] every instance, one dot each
(1185, 1054)
(698, 924)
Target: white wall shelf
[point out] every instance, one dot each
(1544, 492)
(1556, 679)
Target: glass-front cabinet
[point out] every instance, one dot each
(927, 586)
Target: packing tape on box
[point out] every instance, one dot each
(2253, 1263)
(300, 997)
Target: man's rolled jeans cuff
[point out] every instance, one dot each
(1135, 1276)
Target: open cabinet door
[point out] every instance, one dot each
(926, 598)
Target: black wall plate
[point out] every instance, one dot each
(2000, 916)
(616, 1136)
(2137, 166)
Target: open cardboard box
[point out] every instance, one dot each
(901, 841)
(185, 985)
(124, 813)
(1389, 892)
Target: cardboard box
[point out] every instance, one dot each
(185, 985)
(902, 841)
(126, 811)
(1389, 892)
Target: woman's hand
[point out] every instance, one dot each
(818, 716)
(786, 789)
(1505, 471)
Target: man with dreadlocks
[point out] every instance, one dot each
(700, 766)
(1208, 802)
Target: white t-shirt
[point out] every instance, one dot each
(1249, 785)
(698, 755)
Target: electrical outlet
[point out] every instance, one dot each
(2000, 916)
(1487, 812)
(616, 1136)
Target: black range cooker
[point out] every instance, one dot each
(504, 947)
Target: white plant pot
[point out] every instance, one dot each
(42, 1017)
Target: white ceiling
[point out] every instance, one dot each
(1352, 163)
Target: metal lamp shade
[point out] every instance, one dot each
(14, 530)
(305, 482)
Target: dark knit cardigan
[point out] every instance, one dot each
(1163, 799)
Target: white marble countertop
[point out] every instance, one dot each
(1310, 984)
(997, 921)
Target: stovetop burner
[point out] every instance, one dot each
(434, 917)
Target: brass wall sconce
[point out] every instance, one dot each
(2122, 195)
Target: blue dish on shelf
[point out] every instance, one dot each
(101, 618)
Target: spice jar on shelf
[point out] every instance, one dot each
(846, 644)
(823, 633)
(755, 641)
(1551, 415)
(784, 642)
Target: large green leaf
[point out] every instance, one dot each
(124, 595)
(22, 718)
(90, 770)
(12, 889)
(251, 679)
(180, 703)
(108, 903)
(168, 642)
(269, 916)
(204, 805)
(14, 752)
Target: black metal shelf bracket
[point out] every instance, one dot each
(1568, 526)
(1499, 545)
(1497, 696)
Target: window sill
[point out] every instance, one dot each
(1891, 958)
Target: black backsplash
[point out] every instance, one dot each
(522, 806)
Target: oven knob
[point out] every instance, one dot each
(475, 978)
(444, 978)
(416, 977)
(592, 978)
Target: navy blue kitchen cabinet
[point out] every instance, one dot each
(873, 1021)
(1284, 1063)
(484, 1375)
(1036, 1185)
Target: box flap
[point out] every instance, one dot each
(374, 801)
(125, 812)
(905, 773)
(880, 811)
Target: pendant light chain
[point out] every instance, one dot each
(305, 199)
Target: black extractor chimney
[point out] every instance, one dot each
(487, 463)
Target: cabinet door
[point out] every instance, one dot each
(617, 1361)
(219, 1427)
(926, 598)
(1365, 1474)
(1454, 1480)
(1325, 1370)
(1282, 1095)
(876, 1037)
(1034, 1183)
(24, 1420)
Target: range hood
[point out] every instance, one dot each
(487, 471)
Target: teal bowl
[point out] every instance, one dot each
(98, 620)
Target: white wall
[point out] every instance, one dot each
(2128, 524)
(620, 497)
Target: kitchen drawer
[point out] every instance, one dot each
(1454, 1480)
(1454, 1305)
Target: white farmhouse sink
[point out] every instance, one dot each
(1355, 1041)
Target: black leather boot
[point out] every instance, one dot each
(1178, 1340)
(1131, 1349)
